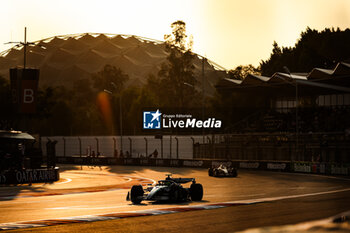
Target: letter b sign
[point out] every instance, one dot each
(24, 86)
(28, 96)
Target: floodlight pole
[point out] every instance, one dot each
(296, 119)
(25, 48)
(25, 44)
(190, 85)
(120, 116)
(203, 97)
(121, 122)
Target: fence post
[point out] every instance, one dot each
(146, 147)
(161, 146)
(177, 148)
(47, 154)
(64, 147)
(79, 139)
(97, 146)
(170, 144)
(130, 141)
(213, 145)
(210, 146)
(192, 147)
(114, 144)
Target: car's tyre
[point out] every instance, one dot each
(136, 194)
(210, 171)
(234, 173)
(196, 192)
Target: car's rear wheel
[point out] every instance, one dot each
(136, 194)
(196, 192)
(210, 172)
(234, 173)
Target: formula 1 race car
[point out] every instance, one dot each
(169, 189)
(222, 171)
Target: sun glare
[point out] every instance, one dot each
(105, 108)
(229, 32)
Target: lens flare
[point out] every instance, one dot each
(104, 105)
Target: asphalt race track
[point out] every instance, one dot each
(86, 195)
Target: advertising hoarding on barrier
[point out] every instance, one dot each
(174, 163)
(218, 163)
(30, 176)
(276, 166)
(322, 168)
(308, 167)
(138, 162)
(303, 167)
(337, 169)
(253, 165)
(193, 163)
(319, 168)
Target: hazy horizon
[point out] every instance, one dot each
(230, 33)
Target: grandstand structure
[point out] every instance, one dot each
(292, 117)
(65, 58)
(325, 90)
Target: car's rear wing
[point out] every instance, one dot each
(179, 180)
(182, 180)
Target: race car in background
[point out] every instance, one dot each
(169, 190)
(222, 171)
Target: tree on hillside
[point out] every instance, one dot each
(110, 77)
(175, 84)
(314, 49)
(178, 38)
(241, 71)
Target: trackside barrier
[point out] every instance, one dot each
(30, 176)
(302, 167)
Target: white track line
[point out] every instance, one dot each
(142, 178)
(64, 182)
(322, 225)
(268, 199)
(316, 175)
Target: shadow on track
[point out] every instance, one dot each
(10, 192)
(160, 203)
(130, 170)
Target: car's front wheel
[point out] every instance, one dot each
(210, 171)
(234, 173)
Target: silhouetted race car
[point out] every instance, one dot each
(222, 171)
(169, 189)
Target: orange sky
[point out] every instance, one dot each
(228, 32)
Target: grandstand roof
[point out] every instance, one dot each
(317, 81)
(63, 59)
